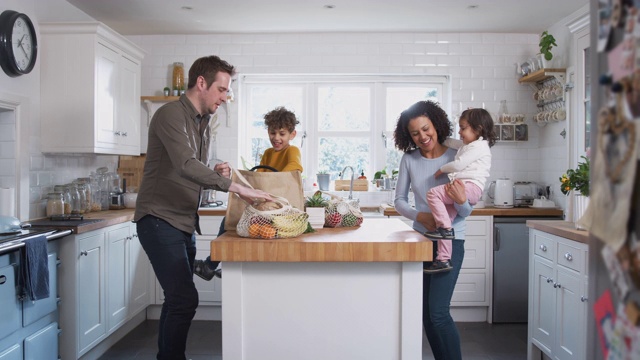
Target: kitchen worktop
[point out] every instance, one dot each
(560, 228)
(379, 239)
(108, 218)
(389, 210)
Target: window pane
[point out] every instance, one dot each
(400, 98)
(262, 99)
(393, 156)
(344, 108)
(337, 152)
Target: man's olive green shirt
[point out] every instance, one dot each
(176, 168)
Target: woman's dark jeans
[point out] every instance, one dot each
(172, 253)
(436, 317)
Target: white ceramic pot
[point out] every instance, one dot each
(130, 200)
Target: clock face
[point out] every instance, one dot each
(18, 43)
(22, 44)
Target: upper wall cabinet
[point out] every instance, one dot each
(90, 90)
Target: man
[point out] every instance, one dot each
(175, 172)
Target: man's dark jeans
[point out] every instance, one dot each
(172, 253)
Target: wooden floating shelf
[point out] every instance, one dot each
(540, 75)
(159, 98)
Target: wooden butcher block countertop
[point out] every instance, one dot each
(560, 228)
(388, 210)
(107, 218)
(380, 239)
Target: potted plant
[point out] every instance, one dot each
(547, 42)
(324, 178)
(576, 183)
(314, 206)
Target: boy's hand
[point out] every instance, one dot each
(438, 173)
(223, 169)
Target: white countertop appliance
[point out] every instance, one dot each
(524, 192)
(501, 191)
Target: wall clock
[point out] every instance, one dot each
(18, 43)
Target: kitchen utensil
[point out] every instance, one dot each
(501, 191)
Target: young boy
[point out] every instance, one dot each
(282, 156)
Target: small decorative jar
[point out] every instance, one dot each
(55, 204)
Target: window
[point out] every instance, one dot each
(345, 120)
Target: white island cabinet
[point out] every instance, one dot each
(104, 284)
(558, 291)
(90, 90)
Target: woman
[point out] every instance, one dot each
(420, 133)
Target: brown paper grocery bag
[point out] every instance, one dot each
(287, 184)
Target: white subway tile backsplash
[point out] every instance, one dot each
(493, 38)
(448, 38)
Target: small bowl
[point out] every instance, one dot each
(130, 200)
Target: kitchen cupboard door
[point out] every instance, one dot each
(139, 273)
(569, 318)
(91, 97)
(12, 353)
(117, 276)
(34, 310)
(92, 325)
(11, 308)
(543, 301)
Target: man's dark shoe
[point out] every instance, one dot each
(203, 270)
(441, 233)
(438, 266)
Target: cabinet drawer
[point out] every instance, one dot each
(544, 246)
(471, 287)
(571, 257)
(475, 253)
(210, 225)
(477, 227)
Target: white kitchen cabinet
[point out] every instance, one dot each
(90, 90)
(471, 296)
(557, 297)
(103, 273)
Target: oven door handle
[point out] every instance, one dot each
(496, 240)
(59, 234)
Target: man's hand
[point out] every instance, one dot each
(455, 191)
(223, 169)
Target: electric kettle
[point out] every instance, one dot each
(501, 191)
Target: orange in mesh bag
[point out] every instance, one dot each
(341, 213)
(272, 220)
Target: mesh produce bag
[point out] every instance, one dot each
(272, 220)
(342, 213)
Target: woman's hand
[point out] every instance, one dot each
(427, 220)
(455, 191)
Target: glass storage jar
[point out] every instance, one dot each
(105, 187)
(82, 190)
(55, 204)
(76, 200)
(66, 197)
(95, 192)
(86, 182)
(177, 82)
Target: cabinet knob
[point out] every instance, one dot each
(584, 299)
(543, 248)
(83, 253)
(117, 133)
(549, 280)
(557, 286)
(568, 256)
(124, 133)
(135, 235)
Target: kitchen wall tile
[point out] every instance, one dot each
(7, 151)
(493, 84)
(448, 61)
(470, 38)
(493, 38)
(425, 60)
(186, 49)
(414, 49)
(401, 38)
(482, 49)
(482, 72)
(231, 49)
(428, 38)
(457, 49)
(448, 38)
(516, 38)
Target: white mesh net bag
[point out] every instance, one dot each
(342, 213)
(272, 220)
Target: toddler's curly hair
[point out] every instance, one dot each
(281, 118)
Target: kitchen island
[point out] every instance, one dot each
(343, 293)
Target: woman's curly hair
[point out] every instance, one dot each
(430, 109)
(280, 118)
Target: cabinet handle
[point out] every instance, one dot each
(543, 248)
(135, 235)
(568, 256)
(124, 133)
(557, 286)
(83, 253)
(549, 280)
(117, 133)
(58, 261)
(496, 241)
(584, 299)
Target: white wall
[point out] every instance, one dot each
(40, 171)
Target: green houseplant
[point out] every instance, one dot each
(547, 42)
(315, 205)
(576, 179)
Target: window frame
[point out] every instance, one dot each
(378, 83)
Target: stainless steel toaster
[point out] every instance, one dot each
(524, 192)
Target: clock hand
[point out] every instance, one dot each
(23, 50)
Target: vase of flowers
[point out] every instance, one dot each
(575, 183)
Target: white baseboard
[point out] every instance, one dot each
(470, 314)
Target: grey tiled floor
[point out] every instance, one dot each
(480, 341)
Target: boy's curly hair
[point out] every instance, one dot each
(280, 118)
(430, 109)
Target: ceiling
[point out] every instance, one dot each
(144, 17)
